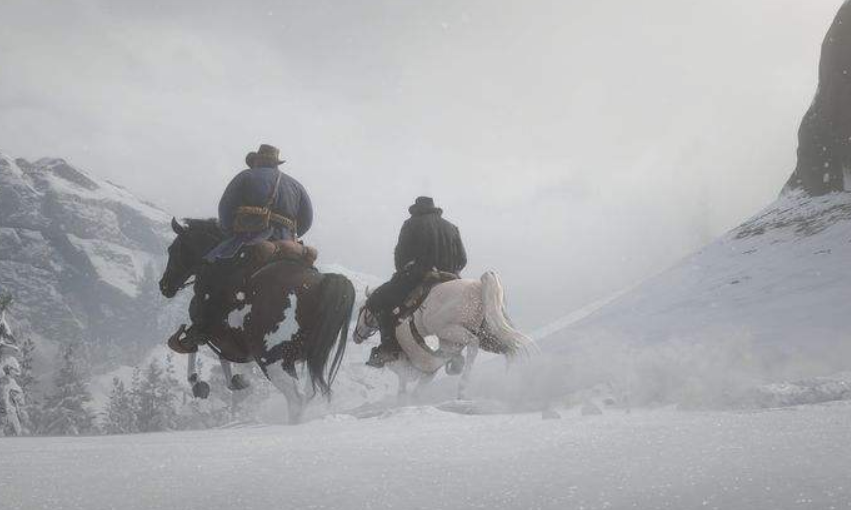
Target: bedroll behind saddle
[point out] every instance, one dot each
(266, 252)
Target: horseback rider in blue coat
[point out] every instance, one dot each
(253, 189)
(263, 213)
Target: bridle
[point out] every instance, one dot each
(369, 320)
(193, 269)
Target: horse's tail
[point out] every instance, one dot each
(497, 326)
(334, 313)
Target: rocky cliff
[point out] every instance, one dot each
(824, 139)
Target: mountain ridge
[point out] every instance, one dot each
(81, 256)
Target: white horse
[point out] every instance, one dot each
(461, 314)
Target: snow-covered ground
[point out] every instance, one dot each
(423, 458)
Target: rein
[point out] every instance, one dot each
(188, 283)
(193, 270)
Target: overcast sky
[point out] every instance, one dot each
(580, 145)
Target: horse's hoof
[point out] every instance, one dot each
(455, 365)
(374, 363)
(238, 383)
(201, 390)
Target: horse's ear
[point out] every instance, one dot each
(367, 292)
(177, 227)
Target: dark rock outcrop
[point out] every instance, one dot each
(824, 139)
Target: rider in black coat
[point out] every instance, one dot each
(427, 242)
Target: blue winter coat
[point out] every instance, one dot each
(253, 187)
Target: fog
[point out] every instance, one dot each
(580, 146)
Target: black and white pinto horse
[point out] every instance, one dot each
(462, 314)
(323, 312)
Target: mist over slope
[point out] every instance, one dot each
(781, 278)
(767, 302)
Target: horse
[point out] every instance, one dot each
(262, 295)
(462, 314)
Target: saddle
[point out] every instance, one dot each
(418, 296)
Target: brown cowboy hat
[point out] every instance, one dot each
(267, 155)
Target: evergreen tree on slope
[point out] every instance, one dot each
(66, 409)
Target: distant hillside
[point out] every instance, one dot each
(81, 256)
(770, 300)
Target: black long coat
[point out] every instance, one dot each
(430, 241)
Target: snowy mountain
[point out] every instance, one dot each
(81, 255)
(776, 277)
(767, 302)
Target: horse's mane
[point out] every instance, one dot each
(209, 225)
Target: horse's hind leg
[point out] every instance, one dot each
(454, 339)
(464, 383)
(235, 382)
(289, 387)
(200, 389)
(402, 370)
(424, 380)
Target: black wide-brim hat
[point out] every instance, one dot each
(266, 155)
(423, 204)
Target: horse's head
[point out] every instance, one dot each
(367, 324)
(186, 253)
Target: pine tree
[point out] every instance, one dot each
(28, 383)
(155, 399)
(66, 410)
(169, 395)
(120, 414)
(5, 302)
(13, 415)
(27, 380)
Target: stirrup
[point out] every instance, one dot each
(180, 343)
